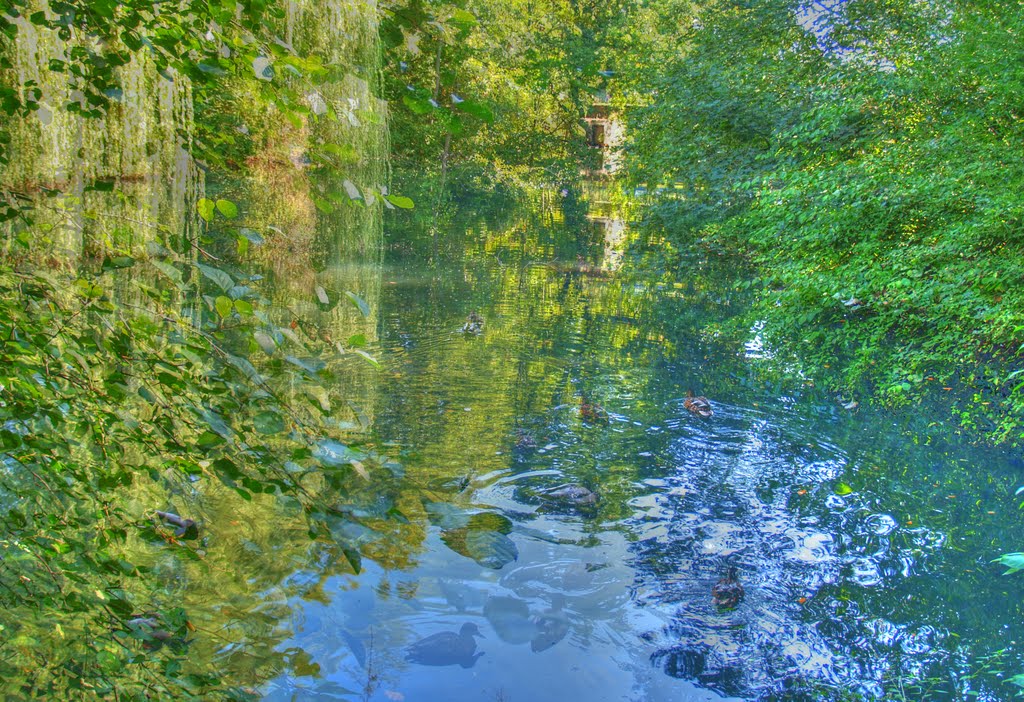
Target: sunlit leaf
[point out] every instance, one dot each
(224, 306)
(206, 208)
(400, 201)
(227, 208)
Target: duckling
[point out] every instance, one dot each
(700, 406)
(727, 592)
(447, 648)
(474, 324)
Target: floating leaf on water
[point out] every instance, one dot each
(364, 307)
(356, 341)
(843, 489)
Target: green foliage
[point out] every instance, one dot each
(873, 185)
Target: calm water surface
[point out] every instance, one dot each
(862, 549)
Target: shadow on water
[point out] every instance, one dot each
(564, 502)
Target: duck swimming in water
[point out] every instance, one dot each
(727, 592)
(593, 413)
(699, 405)
(474, 324)
(447, 648)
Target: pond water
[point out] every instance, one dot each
(863, 549)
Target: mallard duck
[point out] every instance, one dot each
(447, 648)
(698, 405)
(474, 324)
(727, 592)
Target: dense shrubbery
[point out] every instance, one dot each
(869, 168)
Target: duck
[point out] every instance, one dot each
(447, 648)
(572, 494)
(593, 413)
(187, 528)
(728, 591)
(474, 324)
(698, 405)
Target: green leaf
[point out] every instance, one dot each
(227, 208)
(269, 423)
(843, 489)
(222, 279)
(206, 208)
(334, 453)
(224, 305)
(360, 303)
(419, 107)
(400, 201)
(476, 109)
(463, 19)
(367, 357)
(168, 270)
(1013, 561)
(243, 307)
(356, 341)
(117, 262)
